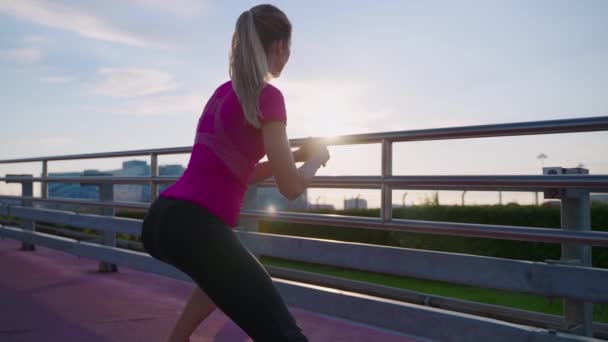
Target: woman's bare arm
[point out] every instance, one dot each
(290, 180)
(263, 170)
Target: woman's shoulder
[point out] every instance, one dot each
(270, 91)
(225, 85)
(272, 104)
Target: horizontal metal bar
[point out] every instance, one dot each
(508, 314)
(589, 124)
(581, 283)
(551, 235)
(397, 316)
(337, 182)
(133, 259)
(514, 275)
(85, 202)
(131, 153)
(131, 226)
(596, 183)
(78, 220)
(93, 179)
(415, 320)
(510, 182)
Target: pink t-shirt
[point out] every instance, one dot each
(225, 152)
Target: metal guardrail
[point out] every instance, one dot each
(386, 181)
(572, 189)
(549, 235)
(597, 183)
(589, 124)
(517, 316)
(515, 275)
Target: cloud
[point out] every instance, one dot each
(177, 7)
(56, 141)
(132, 82)
(27, 55)
(57, 79)
(167, 105)
(71, 19)
(35, 39)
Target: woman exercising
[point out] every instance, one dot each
(190, 225)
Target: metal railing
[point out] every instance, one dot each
(386, 182)
(575, 235)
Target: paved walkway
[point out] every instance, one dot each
(49, 295)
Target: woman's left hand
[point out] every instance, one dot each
(307, 149)
(302, 153)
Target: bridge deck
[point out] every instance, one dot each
(48, 295)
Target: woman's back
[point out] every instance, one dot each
(225, 152)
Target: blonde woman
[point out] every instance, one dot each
(190, 225)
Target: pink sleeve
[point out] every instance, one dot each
(272, 105)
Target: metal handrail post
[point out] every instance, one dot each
(44, 186)
(27, 190)
(106, 194)
(575, 215)
(153, 173)
(386, 205)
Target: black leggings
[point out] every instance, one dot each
(198, 243)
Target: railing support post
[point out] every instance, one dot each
(44, 186)
(153, 173)
(575, 215)
(386, 192)
(106, 194)
(250, 203)
(27, 190)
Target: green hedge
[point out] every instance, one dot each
(531, 216)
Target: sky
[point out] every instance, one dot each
(92, 76)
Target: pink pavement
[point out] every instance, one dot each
(48, 295)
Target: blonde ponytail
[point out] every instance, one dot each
(248, 64)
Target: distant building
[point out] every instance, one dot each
(132, 192)
(355, 203)
(171, 170)
(122, 192)
(322, 206)
(73, 190)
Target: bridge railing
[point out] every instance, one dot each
(571, 277)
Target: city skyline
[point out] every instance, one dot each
(271, 199)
